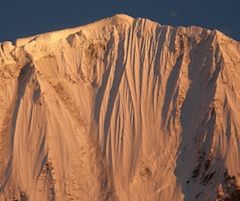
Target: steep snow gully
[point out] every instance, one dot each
(120, 109)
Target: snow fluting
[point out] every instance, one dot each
(120, 109)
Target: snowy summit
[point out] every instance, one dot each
(120, 109)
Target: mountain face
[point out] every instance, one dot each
(121, 109)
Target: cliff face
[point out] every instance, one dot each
(121, 109)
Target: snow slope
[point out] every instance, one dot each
(121, 109)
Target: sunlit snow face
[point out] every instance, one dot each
(121, 109)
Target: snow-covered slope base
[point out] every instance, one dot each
(121, 109)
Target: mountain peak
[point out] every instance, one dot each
(120, 109)
(123, 17)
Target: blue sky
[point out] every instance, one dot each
(29, 17)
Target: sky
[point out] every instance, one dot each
(30, 17)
